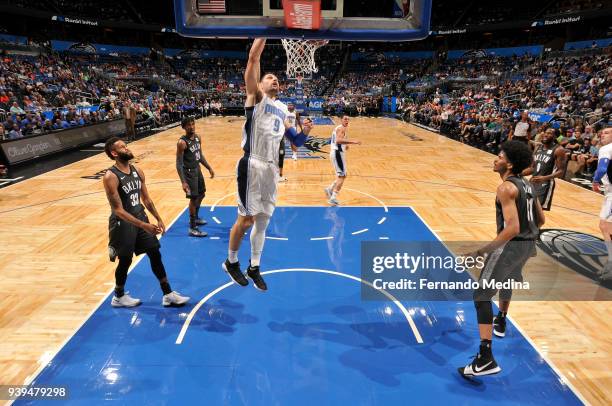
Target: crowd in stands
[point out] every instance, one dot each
(59, 91)
(55, 92)
(573, 93)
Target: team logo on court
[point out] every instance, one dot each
(315, 144)
(580, 252)
(312, 148)
(411, 136)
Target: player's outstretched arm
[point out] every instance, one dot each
(252, 72)
(341, 139)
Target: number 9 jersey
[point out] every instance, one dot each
(264, 129)
(257, 171)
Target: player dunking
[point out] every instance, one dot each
(603, 176)
(257, 170)
(519, 217)
(189, 156)
(129, 228)
(338, 146)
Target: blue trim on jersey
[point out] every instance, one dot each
(602, 169)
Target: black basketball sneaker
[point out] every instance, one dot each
(483, 364)
(499, 325)
(235, 273)
(255, 276)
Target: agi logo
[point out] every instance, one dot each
(580, 252)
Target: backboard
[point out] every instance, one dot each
(341, 20)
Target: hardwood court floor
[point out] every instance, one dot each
(55, 268)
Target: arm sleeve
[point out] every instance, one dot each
(602, 169)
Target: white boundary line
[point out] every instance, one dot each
(563, 378)
(373, 197)
(322, 238)
(417, 334)
(212, 208)
(382, 220)
(30, 378)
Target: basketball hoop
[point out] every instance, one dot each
(301, 56)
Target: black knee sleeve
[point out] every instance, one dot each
(122, 270)
(156, 263)
(484, 312)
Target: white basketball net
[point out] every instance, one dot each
(301, 56)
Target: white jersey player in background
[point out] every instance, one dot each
(258, 169)
(603, 176)
(338, 147)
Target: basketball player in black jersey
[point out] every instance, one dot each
(129, 229)
(519, 217)
(189, 156)
(548, 164)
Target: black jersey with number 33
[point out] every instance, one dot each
(527, 212)
(129, 189)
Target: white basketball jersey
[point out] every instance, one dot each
(292, 117)
(264, 129)
(334, 145)
(606, 152)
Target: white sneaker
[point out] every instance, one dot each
(125, 301)
(333, 201)
(282, 179)
(294, 156)
(328, 192)
(174, 299)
